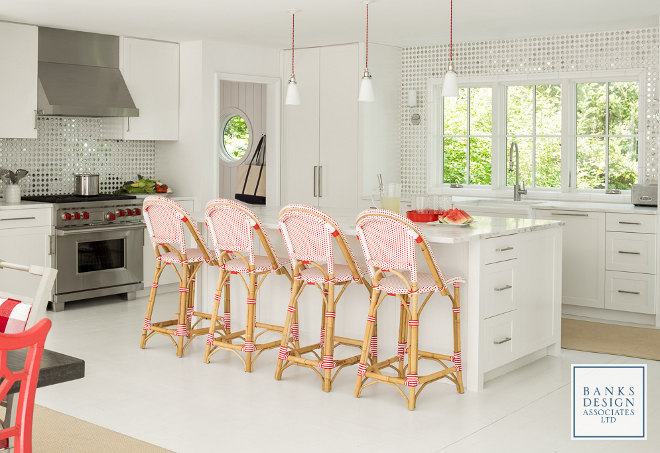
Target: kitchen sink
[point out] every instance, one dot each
(500, 203)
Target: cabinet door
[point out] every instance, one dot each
(26, 246)
(539, 292)
(583, 256)
(18, 80)
(339, 127)
(151, 71)
(300, 150)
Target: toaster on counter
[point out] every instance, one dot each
(645, 194)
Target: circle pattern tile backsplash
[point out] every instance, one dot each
(623, 49)
(77, 145)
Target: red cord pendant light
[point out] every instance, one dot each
(450, 84)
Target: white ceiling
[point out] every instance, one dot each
(323, 22)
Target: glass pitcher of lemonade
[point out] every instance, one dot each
(390, 196)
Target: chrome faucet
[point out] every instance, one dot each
(517, 191)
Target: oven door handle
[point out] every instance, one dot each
(99, 230)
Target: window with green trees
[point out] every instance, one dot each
(533, 120)
(467, 136)
(607, 135)
(235, 137)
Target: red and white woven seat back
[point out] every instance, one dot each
(231, 228)
(308, 234)
(387, 243)
(164, 219)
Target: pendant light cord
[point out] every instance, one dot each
(451, 31)
(293, 40)
(366, 63)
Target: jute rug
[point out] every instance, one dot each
(55, 432)
(627, 341)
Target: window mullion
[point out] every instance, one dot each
(534, 137)
(607, 138)
(467, 141)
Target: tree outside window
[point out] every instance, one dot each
(607, 135)
(533, 120)
(235, 137)
(467, 137)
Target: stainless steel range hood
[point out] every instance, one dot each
(79, 75)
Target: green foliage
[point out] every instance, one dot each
(236, 137)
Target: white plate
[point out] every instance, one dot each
(455, 225)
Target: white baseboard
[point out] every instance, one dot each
(623, 318)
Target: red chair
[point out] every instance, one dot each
(34, 340)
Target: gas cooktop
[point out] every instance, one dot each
(69, 198)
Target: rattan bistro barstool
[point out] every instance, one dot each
(166, 222)
(308, 234)
(232, 227)
(389, 242)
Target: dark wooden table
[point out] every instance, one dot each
(55, 368)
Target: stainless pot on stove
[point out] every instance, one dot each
(86, 184)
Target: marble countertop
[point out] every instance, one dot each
(558, 204)
(483, 227)
(23, 205)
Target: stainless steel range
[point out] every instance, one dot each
(98, 245)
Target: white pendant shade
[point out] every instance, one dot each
(292, 94)
(450, 85)
(366, 90)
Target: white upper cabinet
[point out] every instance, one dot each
(151, 71)
(18, 80)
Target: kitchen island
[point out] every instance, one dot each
(510, 303)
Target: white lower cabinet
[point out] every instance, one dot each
(499, 288)
(500, 344)
(631, 252)
(24, 239)
(627, 291)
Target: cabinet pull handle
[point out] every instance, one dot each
(504, 288)
(630, 223)
(629, 253)
(502, 341)
(315, 167)
(629, 292)
(504, 249)
(128, 122)
(20, 218)
(320, 180)
(576, 214)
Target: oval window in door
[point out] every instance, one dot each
(235, 137)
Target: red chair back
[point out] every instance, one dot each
(33, 339)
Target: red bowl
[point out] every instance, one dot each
(416, 216)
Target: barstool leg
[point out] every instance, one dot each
(375, 295)
(412, 377)
(287, 329)
(403, 336)
(214, 318)
(329, 347)
(251, 318)
(150, 307)
(183, 301)
(457, 337)
(190, 304)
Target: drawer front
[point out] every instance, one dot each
(630, 223)
(630, 292)
(24, 218)
(499, 249)
(500, 344)
(630, 252)
(499, 288)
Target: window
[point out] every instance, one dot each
(607, 135)
(235, 137)
(533, 120)
(467, 137)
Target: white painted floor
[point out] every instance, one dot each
(187, 406)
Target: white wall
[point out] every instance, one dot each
(190, 164)
(250, 98)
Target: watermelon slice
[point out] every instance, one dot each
(441, 219)
(456, 217)
(469, 217)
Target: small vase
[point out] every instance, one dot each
(12, 193)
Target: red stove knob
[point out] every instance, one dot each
(129, 212)
(138, 212)
(66, 216)
(121, 213)
(76, 215)
(85, 215)
(110, 216)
